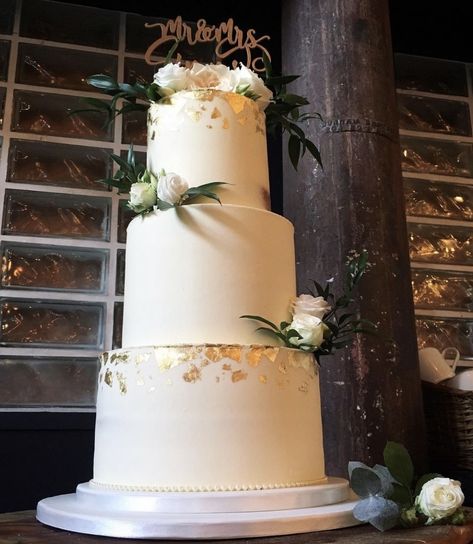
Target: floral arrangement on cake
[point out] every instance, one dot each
(149, 191)
(282, 109)
(321, 323)
(392, 497)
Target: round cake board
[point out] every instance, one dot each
(201, 515)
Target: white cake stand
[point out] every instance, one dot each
(201, 515)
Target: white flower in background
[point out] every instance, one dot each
(244, 76)
(171, 78)
(307, 304)
(171, 187)
(142, 196)
(310, 328)
(439, 498)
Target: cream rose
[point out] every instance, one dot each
(307, 304)
(171, 187)
(142, 196)
(210, 76)
(171, 78)
(245, 76)
(310, 328)
(439, 498)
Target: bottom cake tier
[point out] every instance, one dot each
(208, 418)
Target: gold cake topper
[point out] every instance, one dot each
(228, 39)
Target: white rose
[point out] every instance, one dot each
(310, 328)
(171, 78)
(307, 304)
(439, 498)
(171, 188)
(142, 196)
(209, 76)
(245, 76)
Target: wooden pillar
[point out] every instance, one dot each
(371, 392)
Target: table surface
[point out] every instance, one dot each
(22, 528)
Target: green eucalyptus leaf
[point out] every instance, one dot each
(163, 205)
(365, 482)
(294, 147)
(379, 512)
(121, 162)
(356, 464)
(259, 318)
(131, 156)
(294, 99)
(292, 333)
(267, 65)
(313, 150)
(399, 463)
(103, 82)
(266, 329)
(171, 51)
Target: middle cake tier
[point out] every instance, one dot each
(192, 271)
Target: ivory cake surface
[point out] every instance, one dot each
(208, 418)
(208, 136)
(192, 272)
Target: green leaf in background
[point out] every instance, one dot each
(399, 463)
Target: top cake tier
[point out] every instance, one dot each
(211, 135)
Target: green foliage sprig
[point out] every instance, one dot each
(340, 325)
(388, 493)
(130, 171)
(284, 111)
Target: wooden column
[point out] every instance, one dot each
(371, 392)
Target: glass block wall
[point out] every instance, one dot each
(435, 99)
(62, 234)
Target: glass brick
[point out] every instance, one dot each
(440, 244)
(138, 71)
(50, 114)
(69, 23)
(436, 157)
(437, 199)
(64, 165)
(48, 381)
(139, 38)
(58, 268)
(66, 68)
(442, 289)
(430, 75)
(445, 332)
(2, 104)
(7, 16)
(120, 280)
(134, 128)
(434, 115)
(117, 325)
(58, 324)
(46, 214)
(4, 58)
(125, 215)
